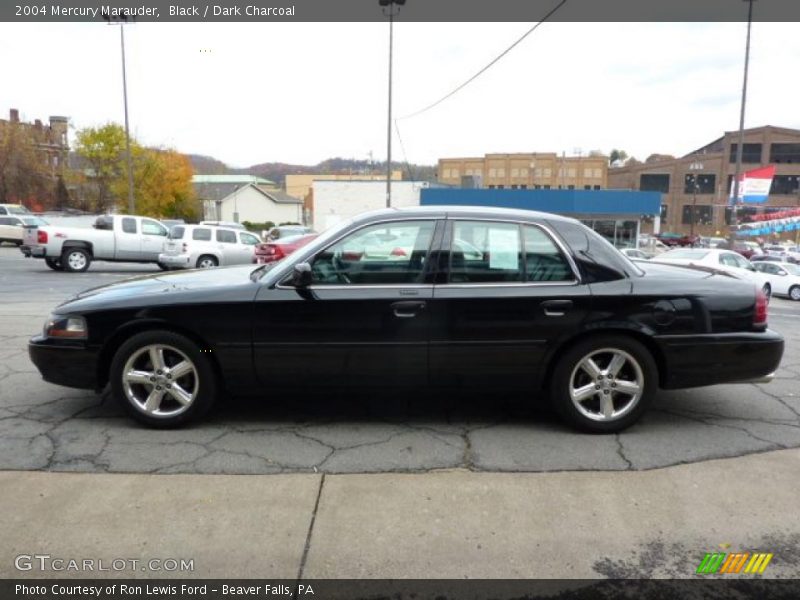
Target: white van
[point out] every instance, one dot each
(207, 246)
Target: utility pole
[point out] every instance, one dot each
(388, 7)
(131, 200)
(740, 144)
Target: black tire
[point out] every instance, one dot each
(162, 266)
(54, 263)
(206, 261)
(169, 413)
(76, 260)
(794, 292)
(638, 367)
(18, 243)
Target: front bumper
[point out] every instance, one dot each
(709, 359)
(176, 261)
(71, 364)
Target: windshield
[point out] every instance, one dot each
(793, 269)
(17, 210)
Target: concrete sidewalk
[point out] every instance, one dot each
(446, 524)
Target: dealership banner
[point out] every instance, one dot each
(754, 185)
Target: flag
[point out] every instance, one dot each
(754, 185)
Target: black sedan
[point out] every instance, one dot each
(442, 297)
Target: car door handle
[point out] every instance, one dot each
(556, 308)
(408, 308)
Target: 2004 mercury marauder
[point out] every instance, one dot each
(422, 297)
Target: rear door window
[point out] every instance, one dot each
(225, 236)
(201, 234)
(129, 225)
(484, 252)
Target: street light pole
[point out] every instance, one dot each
(131, 200)
(389, 9)
(740, 144)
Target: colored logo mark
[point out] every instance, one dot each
(737, 562)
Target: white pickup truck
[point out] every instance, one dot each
(117, 238)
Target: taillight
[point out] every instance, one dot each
(41, 237)
(399, 252)
(760, 313)
(185, 247)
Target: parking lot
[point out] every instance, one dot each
(50, 428)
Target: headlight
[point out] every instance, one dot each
(60, 326)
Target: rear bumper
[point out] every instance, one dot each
(699, 360)
(33, 251)
(175, 261)
(71, 364)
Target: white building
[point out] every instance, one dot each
(254, 204)
(335, 201)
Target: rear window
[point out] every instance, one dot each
(176, 233)
(18, 210)
(202, 235)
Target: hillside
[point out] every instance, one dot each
(277, 171)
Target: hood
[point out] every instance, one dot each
(163, 287)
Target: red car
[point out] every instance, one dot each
(276, 250)
(677, 239)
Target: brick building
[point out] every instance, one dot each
(695, 188)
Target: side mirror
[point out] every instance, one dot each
(301, 275)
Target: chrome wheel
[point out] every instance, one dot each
(794, 293)
(76, 261)
(606, 384)
(160, 380)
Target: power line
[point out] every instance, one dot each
(487, 67)
(405, 156)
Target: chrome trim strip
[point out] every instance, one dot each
(362, 286)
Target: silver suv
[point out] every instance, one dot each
(207, 246)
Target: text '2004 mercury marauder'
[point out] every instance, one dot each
(422, 297)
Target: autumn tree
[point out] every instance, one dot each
(103, 150)
(163, 184)
(162, 178)
(25, 176)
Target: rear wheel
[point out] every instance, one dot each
(604, 384)
(76, 260)
(162, 379)
(54, 263)
(207, 262)
(162, 266)
(794, 292)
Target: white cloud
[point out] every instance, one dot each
(302, 92)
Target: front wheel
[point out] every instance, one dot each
(54, 264)
(604, 384)
(162, 379)
(76, 260)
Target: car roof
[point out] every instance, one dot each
(447, 211)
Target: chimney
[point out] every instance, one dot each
(14, 115)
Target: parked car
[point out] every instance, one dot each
(279, 249)
(765, 258)
(714, 242)
(721, 260)
(116, 238)
(677, 239)
(14, 209)
(635, 254)
(277, 233)
(12, 227)
(539, 309)
(784, 278)
(207, 246)
(652, 247)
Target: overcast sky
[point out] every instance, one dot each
(303, 92)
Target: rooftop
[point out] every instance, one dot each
(242, 179)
